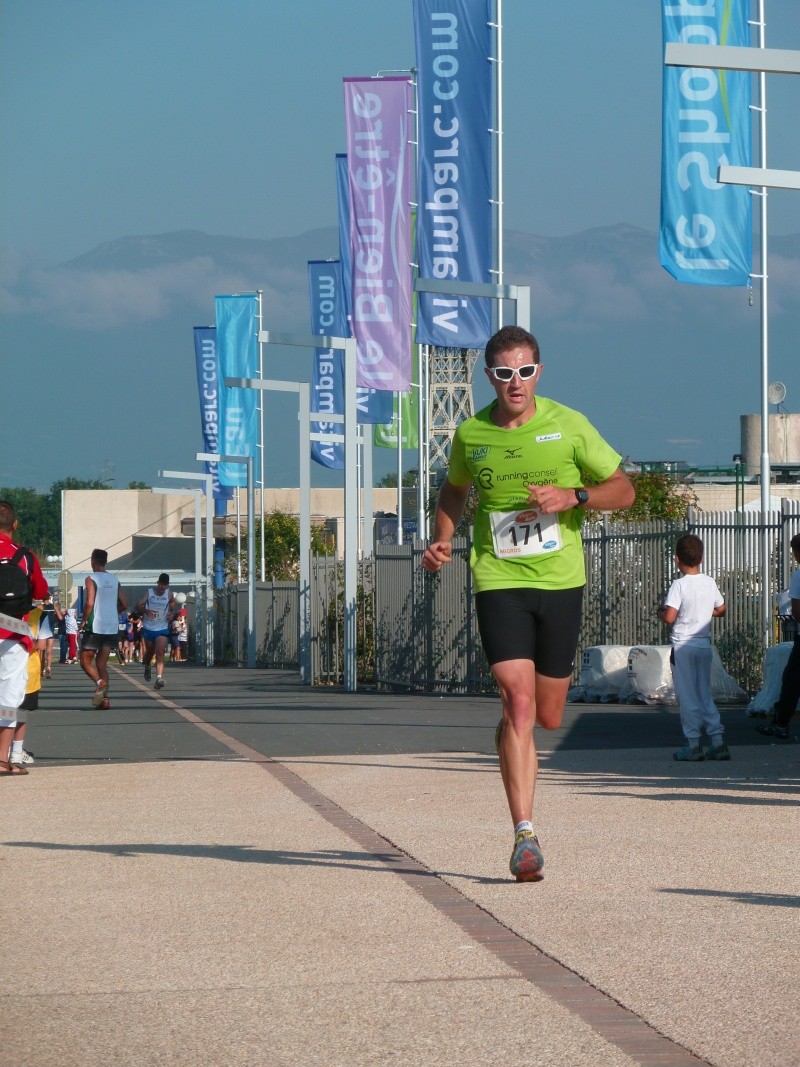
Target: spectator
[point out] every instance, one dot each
(15, 640)
(71, 630)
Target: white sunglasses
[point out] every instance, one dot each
(505, 374)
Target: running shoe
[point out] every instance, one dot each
(26, 757)
(689, 753)
(99, 695)
(771, 729)
(148, 674)
(160, 683)
(20, 759)
(719, 752)
(526, 859)
(105, 705)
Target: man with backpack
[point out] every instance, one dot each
(21, 582)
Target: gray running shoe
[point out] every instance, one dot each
(527, 860)
(160, 683)
(689, 753)
(719, 752)
(99, 695)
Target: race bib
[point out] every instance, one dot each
(525, 533)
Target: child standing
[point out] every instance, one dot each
(691, 603)
(18, 757)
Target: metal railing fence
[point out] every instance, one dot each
(418, 632)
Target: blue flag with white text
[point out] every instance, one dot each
(237, 345)
(205, 354)
(454, 216)
(706, 234)
(327, 378)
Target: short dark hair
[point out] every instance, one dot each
(689, 550)
(510, 337)
(795, 543)
(7, 515)
(163, 579)
(99, 555)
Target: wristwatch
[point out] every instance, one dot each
(582, 497)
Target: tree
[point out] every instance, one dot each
(39, 514)
(658, 496)
(389, 481)
(281, 547)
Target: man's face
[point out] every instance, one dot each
(161, 588)
(516, 397)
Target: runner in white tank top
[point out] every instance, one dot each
(103, 600)
(157, 608)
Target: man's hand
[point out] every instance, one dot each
(435, 555)
(550, 498)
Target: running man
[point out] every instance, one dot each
(527, 458)
(103, 601)
(157, 608)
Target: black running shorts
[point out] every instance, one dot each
(537, 624)
(94, 642)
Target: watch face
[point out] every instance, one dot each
(581, 496)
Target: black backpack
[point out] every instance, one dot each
(16, 588)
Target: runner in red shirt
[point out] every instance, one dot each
(14, 647)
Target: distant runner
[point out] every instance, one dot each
(157, 608)
(103, 602)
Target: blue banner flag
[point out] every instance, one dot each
(205, 354)
(706, 234)
(454, 217)
(327, 379)
(237, 345)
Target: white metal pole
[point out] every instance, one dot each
(399, 428)
(497, 25)
(304, 429)
(366, 470)
(765, 459)
(350, 516)
(238, 537)
(261, 440)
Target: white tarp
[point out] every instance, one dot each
(650, 677)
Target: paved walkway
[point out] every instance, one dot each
(238, 870)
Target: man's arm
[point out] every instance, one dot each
(90, 589)
(449, 509)
(613, 494)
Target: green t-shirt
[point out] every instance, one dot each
(552, 448)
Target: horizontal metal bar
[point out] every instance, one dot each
(264, 384)
(732, 57)
(456, 288)
(774, 179)
(300, 340)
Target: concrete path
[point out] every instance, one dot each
(238, 870)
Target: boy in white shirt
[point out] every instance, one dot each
(691, 603)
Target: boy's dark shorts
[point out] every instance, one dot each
(31, 702)
(94, 642)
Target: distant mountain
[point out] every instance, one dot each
(664, 369)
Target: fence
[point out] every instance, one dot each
(418, 632)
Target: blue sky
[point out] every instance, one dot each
(145, 116)
(142, 117)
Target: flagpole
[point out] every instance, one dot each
(399, 425)
(261, 442)
(766, 475)
(498, 156)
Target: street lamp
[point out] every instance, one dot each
(215, 457)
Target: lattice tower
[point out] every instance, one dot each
(450, 397)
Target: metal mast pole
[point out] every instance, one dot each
(765, 460)
(261, 442)
(498, 154)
